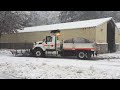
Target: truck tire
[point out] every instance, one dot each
(81, 55)
(38, 53)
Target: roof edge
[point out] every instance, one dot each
(110, 18)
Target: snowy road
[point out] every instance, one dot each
(108, 67)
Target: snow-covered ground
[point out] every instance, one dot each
(105, 66)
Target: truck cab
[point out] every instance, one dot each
(50, 43)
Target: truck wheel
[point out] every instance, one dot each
(81, 55)
(38, 53)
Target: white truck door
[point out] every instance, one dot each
(50, 43)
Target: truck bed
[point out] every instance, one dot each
(78, 43)
(78, 46)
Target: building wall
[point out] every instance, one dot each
(101, 38)
(118, 39)
(30, 37)
(117, 47)
(103, 48)
(88, 33)
(6, 38)
(101, 33)
(117, 36)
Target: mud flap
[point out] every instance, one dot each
(96, 53)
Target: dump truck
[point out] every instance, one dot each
(80, 47)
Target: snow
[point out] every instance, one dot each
(105, 66)
(69, 25)
(118, 25)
